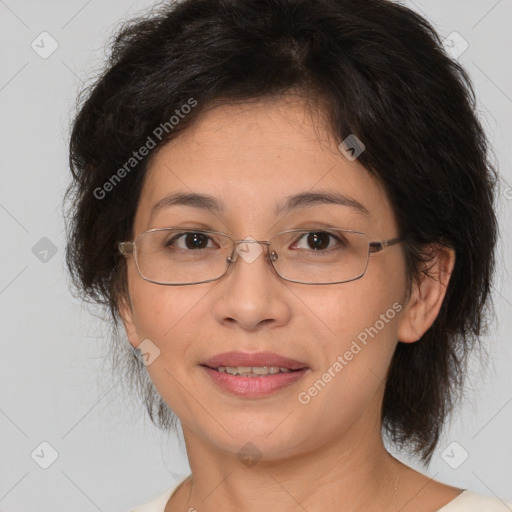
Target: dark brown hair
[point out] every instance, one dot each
(383, 75)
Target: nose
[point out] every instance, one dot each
(251, 295)
(250, 249)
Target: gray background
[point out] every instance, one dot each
(55, 384)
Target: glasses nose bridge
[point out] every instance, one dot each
(235, 253)
(251, 241)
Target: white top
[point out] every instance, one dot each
(467, 501)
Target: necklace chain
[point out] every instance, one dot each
(395, 494)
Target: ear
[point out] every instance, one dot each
(427, 295)
(125, 309)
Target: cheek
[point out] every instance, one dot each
(356, 350)
(170, 318)
(161, 311)
(360, 321)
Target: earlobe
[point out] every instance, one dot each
(427, 295)
(125, 309)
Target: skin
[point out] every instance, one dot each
(329, 453)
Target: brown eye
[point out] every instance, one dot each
(317, 241)
(189, 241)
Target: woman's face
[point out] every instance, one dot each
(252, 158)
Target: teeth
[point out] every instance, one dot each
(252, 371)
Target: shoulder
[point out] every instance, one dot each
(155, 505)
(470, 501)
(159, 503)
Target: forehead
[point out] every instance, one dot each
(254, 156)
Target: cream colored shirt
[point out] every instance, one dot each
(467, 501)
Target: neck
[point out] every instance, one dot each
(354, 472)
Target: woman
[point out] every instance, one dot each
(288, 205)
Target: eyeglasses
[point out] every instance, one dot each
(181, 256)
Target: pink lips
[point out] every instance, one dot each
(253, 387)
(253, 359)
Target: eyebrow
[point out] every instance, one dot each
(297, 201)
(306, 199)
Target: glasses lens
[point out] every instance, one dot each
(320, 256)
(178, 256)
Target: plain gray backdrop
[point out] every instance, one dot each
(59, 406)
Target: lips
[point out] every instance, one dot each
(253, 359)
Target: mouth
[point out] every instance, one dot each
(254, 375)
(253, 371)
(254, 364)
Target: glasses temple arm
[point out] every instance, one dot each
(380, 246)
(126, 247)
